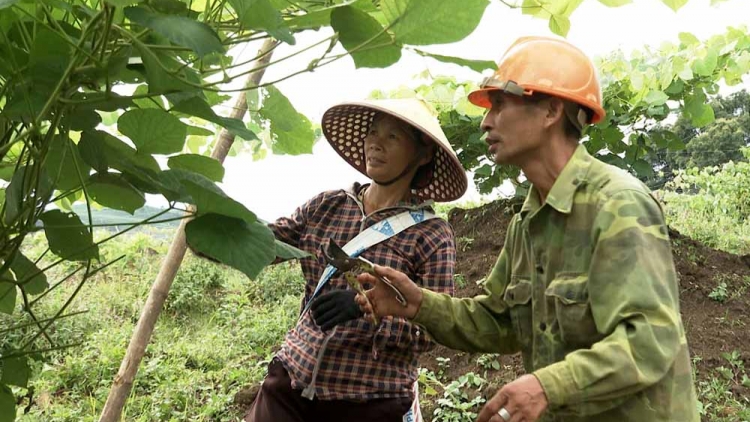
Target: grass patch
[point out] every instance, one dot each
(216, 335)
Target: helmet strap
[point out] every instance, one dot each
(575, 114)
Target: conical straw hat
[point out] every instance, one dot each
(346, 125)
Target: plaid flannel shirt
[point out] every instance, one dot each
(362, 361)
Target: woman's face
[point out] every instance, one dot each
(390, 146)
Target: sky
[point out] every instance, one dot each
(276, 185)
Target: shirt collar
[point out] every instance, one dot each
(560, 197)
(413, 203)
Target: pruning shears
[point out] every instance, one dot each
(351, 266)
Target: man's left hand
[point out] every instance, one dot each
(524, 399)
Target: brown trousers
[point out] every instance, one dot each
(278, 402)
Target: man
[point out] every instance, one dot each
(585, 286)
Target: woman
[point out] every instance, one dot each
(335, 365)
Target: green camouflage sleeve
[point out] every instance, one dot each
(479, 324)
(634, 302)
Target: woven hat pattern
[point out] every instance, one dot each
(345, 126)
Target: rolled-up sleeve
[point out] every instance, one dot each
(480, 324)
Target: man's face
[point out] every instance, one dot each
(514, 128)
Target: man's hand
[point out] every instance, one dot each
(524, 399)
(334, 308)
(383, 298)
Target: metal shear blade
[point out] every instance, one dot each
(338, 258)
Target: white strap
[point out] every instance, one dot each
(373, 235)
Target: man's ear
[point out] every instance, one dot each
(555, 111)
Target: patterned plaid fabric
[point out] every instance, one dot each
(361, 361)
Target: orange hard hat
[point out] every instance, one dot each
(547, 65)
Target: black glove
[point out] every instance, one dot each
(334, 308)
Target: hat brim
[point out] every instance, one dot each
(481, 98)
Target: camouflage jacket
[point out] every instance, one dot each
(586, 289)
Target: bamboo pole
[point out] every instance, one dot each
(123, 382)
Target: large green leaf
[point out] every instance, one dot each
(364, 38)
(48, 61)
(153, 101)
(93, 149)
(67, 237)
(425, 22)
(261, 15)
(101, 150)
(232, 241)
(312, 20)
(699, 111)
(161, 82)
(615, 3)
(16, 372)
(174, 7)
(6, 171)
(102, 101)
(153, 131)
(476, 65)
(122, 3)
(559, 24)
(287, 251)
(292, 132)
(14, 57)
(198, 131)
(7, 404)
(706, 65)
(656, 97)
(317, 18)
(702, 116)
(180, 30)
(679, 65)
(199, 108)
(7, 297)
(82, 119)
(643, 168)
(50, 55)
(21, 186)
(14, 195)
(64, 163)
(563, 7)
(209, 198)
(23, 104)
(112, 191)
(23, 268)
(675, 4)
(688, 39)
(197, 163)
